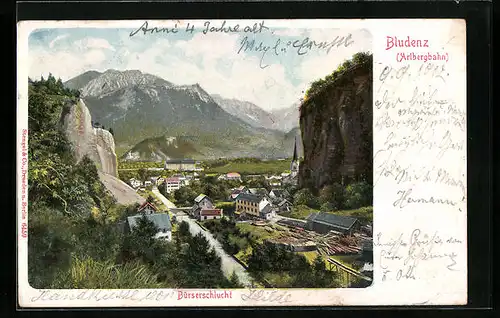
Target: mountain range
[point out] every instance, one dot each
(146, 112)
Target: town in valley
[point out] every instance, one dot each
(162, 164)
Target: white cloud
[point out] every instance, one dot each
(63, 64)
(197, 60)
(93, 43)
(242, 78)
(58, 38)
(323, 64)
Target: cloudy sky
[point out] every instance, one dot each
(271, 81)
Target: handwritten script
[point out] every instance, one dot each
(274, 296)
(401, 255)
(417, 116)
(253, 39)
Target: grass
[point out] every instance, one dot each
(300, 212)
(311, 256)
(364, 214)
(244, 254)
(257, 233)
(263, 167)
(88, 273)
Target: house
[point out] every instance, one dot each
(278, 194)
(160, 181)
(236, 192)
(154, 179)
(161, 220)
(284, 206)
(251, 204)
(243, 189)
(274, 181)
(325, 222)
(258, 191)
(180, 164)
(147, 208)
(209, 214)
(266, 211)
(201, 202)
(233, 176)
(172, 184)
(134, 183)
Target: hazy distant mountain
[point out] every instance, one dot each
(82, 79)
(246, 111)
(162, 148)
(139, 106)
(286, 118)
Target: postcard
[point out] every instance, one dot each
(240, 163)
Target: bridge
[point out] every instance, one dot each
(347, 271)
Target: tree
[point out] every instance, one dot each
(150, 199)
(326, 207)
(184, 229)
(141, 243)
(359, 194)
(305, 197)
(142, 173)
(235, 282)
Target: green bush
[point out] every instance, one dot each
(358, 195)
(357, 59)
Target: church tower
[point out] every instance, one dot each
(294, 165)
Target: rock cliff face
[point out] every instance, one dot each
(99, 145)
(96, 143)
(336, 127)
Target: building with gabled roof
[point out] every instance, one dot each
(147, 208)
(284, 206)
(251, 204)
(201, 202)
(209, 214)
(325, 222)
(180, 164)
(160, 220)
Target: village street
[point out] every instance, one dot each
(229, 264)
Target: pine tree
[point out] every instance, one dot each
(235, 282)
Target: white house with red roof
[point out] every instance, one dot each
(172, 184)
(210, 214)
(233, 176)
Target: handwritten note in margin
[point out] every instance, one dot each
(420, 162)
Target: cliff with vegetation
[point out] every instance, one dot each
(336, 126)
(97, 143)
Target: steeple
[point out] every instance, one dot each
(294, 165)
(294, 158)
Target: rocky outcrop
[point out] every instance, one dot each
(336, 127)
(98, 144)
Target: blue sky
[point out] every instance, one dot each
(212, 60)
